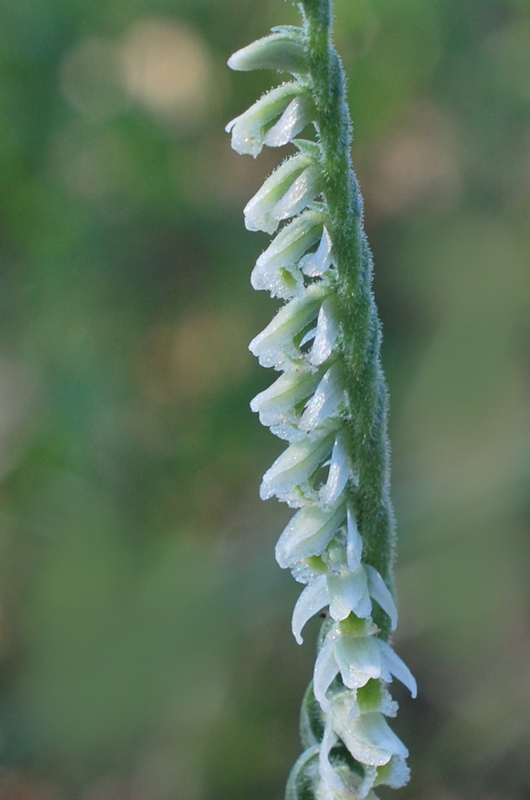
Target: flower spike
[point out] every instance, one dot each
(329, 404)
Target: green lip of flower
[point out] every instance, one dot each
(330, 406)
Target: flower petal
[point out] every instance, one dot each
(312, 600)
(326, 335)
(328, 396)
(349, 592)
(359, 659)
(380, 592)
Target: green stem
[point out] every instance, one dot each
(361, 342)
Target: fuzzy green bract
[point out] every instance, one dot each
(330, 405)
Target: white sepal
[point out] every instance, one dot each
(354, 542)
(312, 600)
(308, 533)
(397, 667)
(315, 264)
(294, 468)
(327, 773)
(293, 185)
(326, 335)
(275, 346)
(326, 669)
(339, 472)
(282, 50)
(380, 592)
(328, 396)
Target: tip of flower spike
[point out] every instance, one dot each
(283, 50)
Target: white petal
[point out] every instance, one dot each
(381, 594)
(293, 120)
(328, 396)
(326, 669)
(294, 467)
(326, 336)
(275, 345)
(354, 543)
(260, 209)
(307, 534)
(302, 191)
(312, 600)
(276, 404)
(315, 264)
(282, 50)
(359, 659)
(349, 592)
(398, 668)
(339, 472)
(327, 773)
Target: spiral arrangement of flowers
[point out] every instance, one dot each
(330, 405)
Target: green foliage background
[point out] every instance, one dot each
(144, 629)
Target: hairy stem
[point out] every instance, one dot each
(361, 342)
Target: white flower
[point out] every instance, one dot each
(275, 346)
(277, 404)
(283, 50)
(308, 533)
(276, 269)
(368, 737)
(290, 188)
(294, 468)
(358, 656)
(289, 104)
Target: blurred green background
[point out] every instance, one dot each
(145, 640)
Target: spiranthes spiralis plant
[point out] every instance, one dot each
(330, 405)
